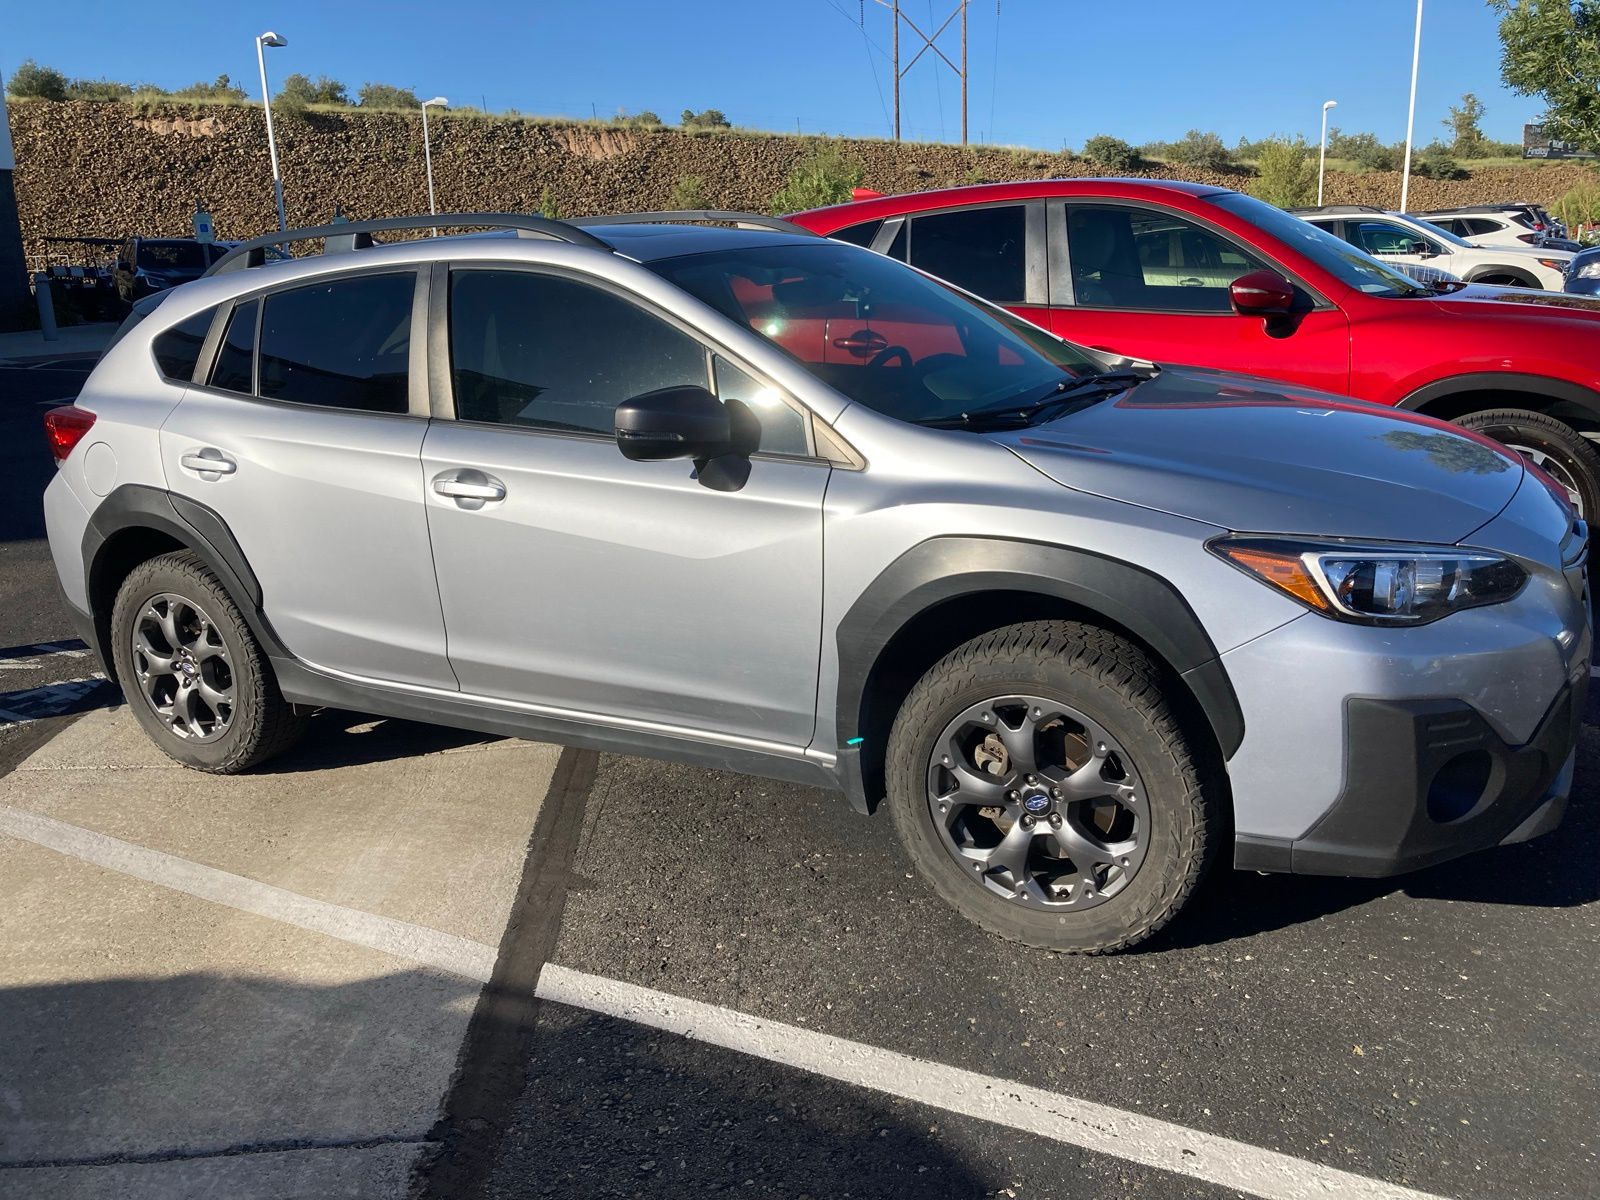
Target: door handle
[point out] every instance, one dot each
(208, 462)
(470, 489)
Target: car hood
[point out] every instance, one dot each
(1257, 456)
(1471, 301)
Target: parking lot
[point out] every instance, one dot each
(320, 980)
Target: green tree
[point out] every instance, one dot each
(297, 88)
(823, 175)
(549, 206)
(1204, 151)
(1286, 173)
(36, 82)
(1578, 207)
(638, 120)
(1113, 154)
(1364, 149)
(688, 192)
(1435, 161)
(710, 118)
(383, 95)
(1551, 49)
(1465, 124)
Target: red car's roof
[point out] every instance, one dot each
(826, 220)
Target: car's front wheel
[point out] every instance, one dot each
(1044, 786)
(1551, 445)
(192, 672)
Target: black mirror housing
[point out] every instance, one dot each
(673, 422)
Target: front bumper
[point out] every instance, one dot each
(1430, 780)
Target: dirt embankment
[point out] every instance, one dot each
(107, 170)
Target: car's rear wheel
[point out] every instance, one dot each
(193, 674)
(1043, 785)
(1551, 445)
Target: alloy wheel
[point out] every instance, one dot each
(1555, 468)
(182, 666)
(1038, 803)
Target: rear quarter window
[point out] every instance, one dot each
(177, 350)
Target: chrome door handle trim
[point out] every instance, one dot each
(208, 462)
(459, 490)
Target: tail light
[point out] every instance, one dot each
(1531, 238)
(65, 427)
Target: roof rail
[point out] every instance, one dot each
(689, 216)
(359, 234)
(1339, 208)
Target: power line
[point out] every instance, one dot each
(994, 68)
(866, 48)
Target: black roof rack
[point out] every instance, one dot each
(359, 234)
(1476, 208)
(691, 216)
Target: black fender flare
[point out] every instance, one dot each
(198, 528)
(946, 568)
(1503, 381)
(1524, 278)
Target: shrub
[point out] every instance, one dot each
(223, 89)
(1436, 162)
(1203, 151)
(822, 176)
(638, 120)
(98, 90)
(1286, 173)
(548, 205)
(1364, 149)
(383, 95)
(1578, 207)
(710, 118)
(36, 82)
(689, 191)
(1113, 154)
(298, 89)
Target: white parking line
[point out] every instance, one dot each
(1097, 1127)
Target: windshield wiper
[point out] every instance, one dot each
(1067, 392)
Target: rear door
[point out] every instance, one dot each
(305, 439)
(1147, 282)
(581, 583)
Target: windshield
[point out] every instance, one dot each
(172, 256)
(879, 332)
(1339, 258)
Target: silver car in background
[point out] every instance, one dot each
(711, 488)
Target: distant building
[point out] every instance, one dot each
(1536, 145)
(15, 299)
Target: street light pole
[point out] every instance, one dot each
(1411, 113)
(427, 153)
(262, 41)
(1322, 162)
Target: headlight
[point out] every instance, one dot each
(1590, 270)
(1375, 584)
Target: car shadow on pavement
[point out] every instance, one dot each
(206, 1083)
(344, 739)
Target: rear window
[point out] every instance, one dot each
(172, 256)
(178, 349)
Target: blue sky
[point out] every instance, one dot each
(1043, 73)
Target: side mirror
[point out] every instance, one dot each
(673, 422)
(1261, 294)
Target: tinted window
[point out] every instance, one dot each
(1379, 237)
(552, 353)
(880, 334)
(1338, 258)
(897, 246)
(171, 256)
(1145, 259)
(980, 249)
(234, 370)
(858, 235)
(178, 349)
(344, 344)
(782, 430)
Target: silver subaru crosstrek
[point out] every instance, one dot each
(711, 488)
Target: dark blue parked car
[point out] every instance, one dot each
(1583, 276)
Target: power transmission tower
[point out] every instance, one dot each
(929, 42)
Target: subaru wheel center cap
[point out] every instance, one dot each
(1036, 802)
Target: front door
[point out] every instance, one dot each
(581, 583)
(1148, 283)
(304, 440)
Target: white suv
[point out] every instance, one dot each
(1395, 237)
(1486, 228)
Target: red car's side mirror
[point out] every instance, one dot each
(1261, 294)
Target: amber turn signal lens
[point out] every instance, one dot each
(1282, 570)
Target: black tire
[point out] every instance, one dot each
(1103, 677)
(260, 723)
(1573, 454)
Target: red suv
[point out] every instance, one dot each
(1185, 273)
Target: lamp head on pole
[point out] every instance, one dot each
(271, 39)
(439, 100)
(1327, 104)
